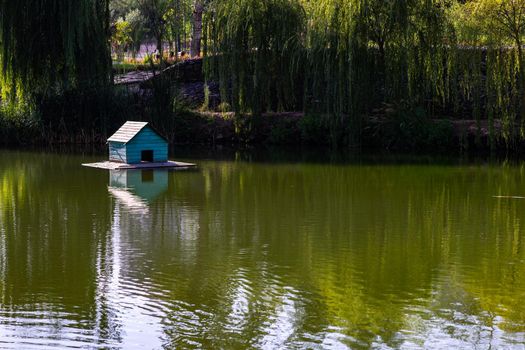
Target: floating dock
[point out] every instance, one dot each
(170, 164)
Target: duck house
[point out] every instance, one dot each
(137, 142)
(136, 145)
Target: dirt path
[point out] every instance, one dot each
(134, 77)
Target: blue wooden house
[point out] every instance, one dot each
(137, 142)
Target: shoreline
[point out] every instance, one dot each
(380, 134)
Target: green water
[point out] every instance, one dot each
(261, 255)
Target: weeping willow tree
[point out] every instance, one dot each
(51, 46)
(253, 41)
(344, 56)
(364, 52)
(493, 70)
(336, 48)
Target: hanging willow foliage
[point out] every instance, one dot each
(335, 49)
(52, 45)
(253, 40)
(344, 55)
(492, 34)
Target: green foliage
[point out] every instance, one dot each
(126, 67)
(72, 116)
(154, 12)
(164, 21)
(332, 57)
(313, 129)
(334, 60)
(224, 107)
(52, 45)
(121, 37)
(283, 131)
(149, 60)
(254, 40)
(138, 31)
(18, 124)
(176, 19)
(343, 58)
(83, 115)
(411, 129)
(492, 22)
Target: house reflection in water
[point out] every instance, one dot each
(135, 189)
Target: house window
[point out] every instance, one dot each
(146, 156)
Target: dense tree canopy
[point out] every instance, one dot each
(450, 57)
(161, 21)
(53, 44)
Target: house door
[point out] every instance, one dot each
(146, 156)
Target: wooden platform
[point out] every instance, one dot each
(122, 166)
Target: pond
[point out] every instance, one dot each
(261, 254)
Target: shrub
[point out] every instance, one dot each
(412, 129)
(313, 130)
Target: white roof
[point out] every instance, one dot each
(127, 132)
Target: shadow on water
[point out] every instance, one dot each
(323, 155)
(293, 154)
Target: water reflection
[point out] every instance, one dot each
(269, 256)
(51, 225)
(135, 189)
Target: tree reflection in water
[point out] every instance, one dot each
(262, 255)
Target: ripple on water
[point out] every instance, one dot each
(265, 256)
(42, 329)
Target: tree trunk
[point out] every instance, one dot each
(159, 48)
(197, 29)
(108, 39)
